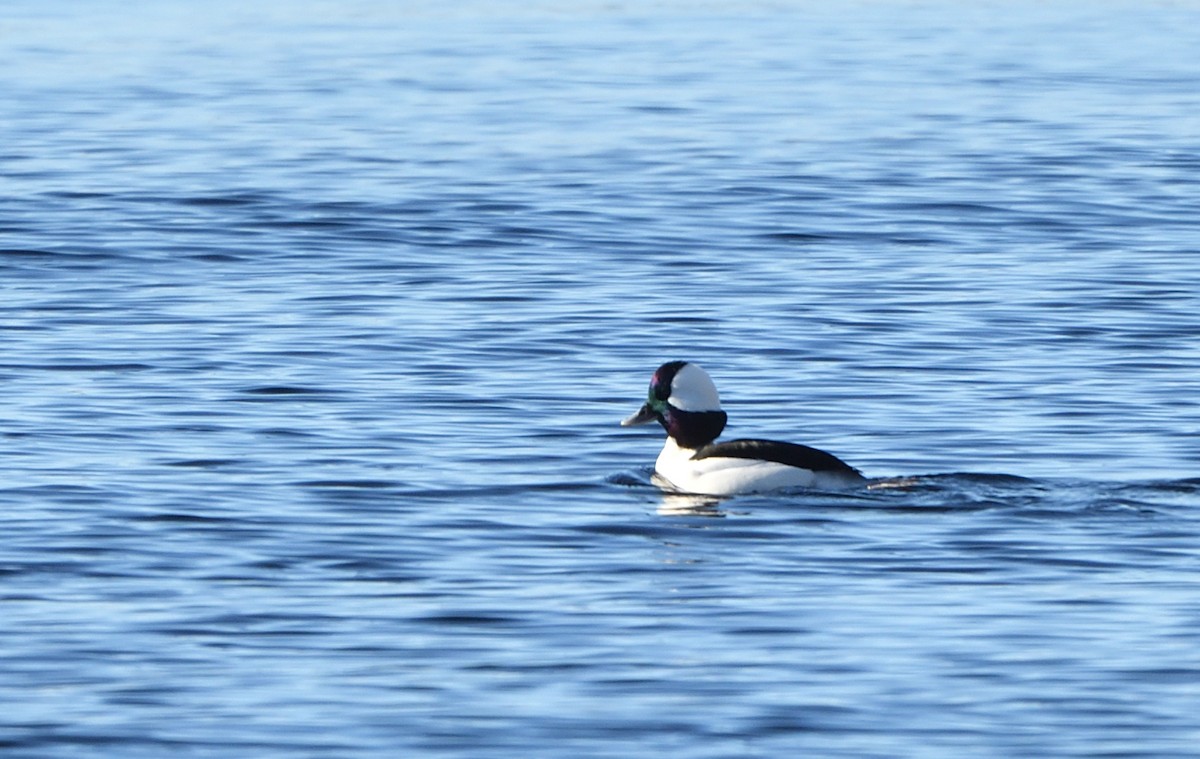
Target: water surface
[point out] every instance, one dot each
(318, 321)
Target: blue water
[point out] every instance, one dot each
(318, 320)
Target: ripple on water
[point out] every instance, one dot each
(317, 337)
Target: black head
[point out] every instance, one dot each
(683, 399)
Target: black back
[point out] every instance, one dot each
(789, 454)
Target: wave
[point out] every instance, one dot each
(952, 492)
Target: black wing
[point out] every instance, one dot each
(789, 454)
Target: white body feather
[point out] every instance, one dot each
(730, 476)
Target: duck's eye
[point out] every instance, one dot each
(660, 391)
(664, 377)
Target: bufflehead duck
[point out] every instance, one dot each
(683, 399)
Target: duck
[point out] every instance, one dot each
(684, 400)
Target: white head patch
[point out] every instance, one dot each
(693, 390)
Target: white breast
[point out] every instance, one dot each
(731, 476)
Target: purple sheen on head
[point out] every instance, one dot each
(660, 383)
(694, 429)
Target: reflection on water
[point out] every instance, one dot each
(681, 504)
